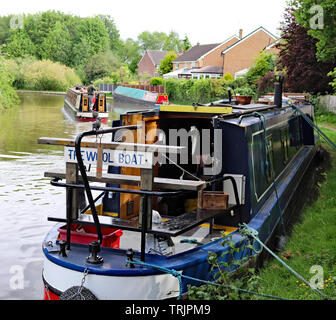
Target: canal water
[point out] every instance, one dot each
(26, 197)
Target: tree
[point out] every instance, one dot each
(151, 41)
(298, 58)
(319, 19)
(263, 64)
(186, 44)
(19, 44)
(94, 32)
(101, 65)
(166, 64)
(129, 52)
(173, 42)
(57, 45)
(112, 31)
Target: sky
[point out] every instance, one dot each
(207, 21)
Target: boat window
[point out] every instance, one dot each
(284, 144)
(270, 159)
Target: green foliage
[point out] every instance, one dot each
(244, 91)
(228, 271)
(57, 45)
(200, 91)
(19, 44)
(333, 83)
(326, 35)
(228, 77)
(156, 81)
(8, 96)
(263, 64)
(48, 75)
(166, 64)
(186, 44)
(101, 65)
(112, 31)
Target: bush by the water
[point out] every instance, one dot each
(48, 75)
(8, 96)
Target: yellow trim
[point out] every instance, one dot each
(111, 214)
(196, 109)
(226, 229)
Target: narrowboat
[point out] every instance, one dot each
(76, 104)
(139, 97)
(171, 181)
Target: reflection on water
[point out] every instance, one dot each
(26, 198)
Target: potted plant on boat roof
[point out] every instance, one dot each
(243, 95)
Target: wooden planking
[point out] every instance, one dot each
(159, 183)
(111, 145)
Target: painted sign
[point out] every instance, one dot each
(118, 158)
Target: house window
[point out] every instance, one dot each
(176, 65)
(270, 159)
(284, 144)
(193, 64)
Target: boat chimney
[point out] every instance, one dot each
(240, 33)
(278, 81)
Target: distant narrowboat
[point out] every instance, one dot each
(76, 103)
(138, 97)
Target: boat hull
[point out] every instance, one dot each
(61, 273)
(83, 116)
(119, 98)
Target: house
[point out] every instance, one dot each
(207, 55)
(150, 62)
(235, 56)
(240, 56)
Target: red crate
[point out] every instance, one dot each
(111, 236)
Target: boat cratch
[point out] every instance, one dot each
(169, 181)
(76, 103)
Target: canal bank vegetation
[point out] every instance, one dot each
(42, 75)
(8, 96)
(311, 248)
(90, 46)
(257, 81)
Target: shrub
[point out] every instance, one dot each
(48, 75)
(8, 96)
(244, 91)
(228, 77)
(156, 81)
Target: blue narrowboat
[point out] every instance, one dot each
(171, 180)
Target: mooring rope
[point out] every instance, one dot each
(245, 230)
(314, 126)
(179, 276)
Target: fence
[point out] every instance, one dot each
(107, 87)
(147, 87)
(328, 103)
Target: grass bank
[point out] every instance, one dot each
(311, 249)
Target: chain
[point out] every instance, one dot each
(79, 292)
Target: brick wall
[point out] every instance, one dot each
(146, 66)
(242, 56)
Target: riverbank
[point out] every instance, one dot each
(310, 251)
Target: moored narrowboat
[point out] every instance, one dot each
(76, 103)
(139, 97)
(171, 181)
